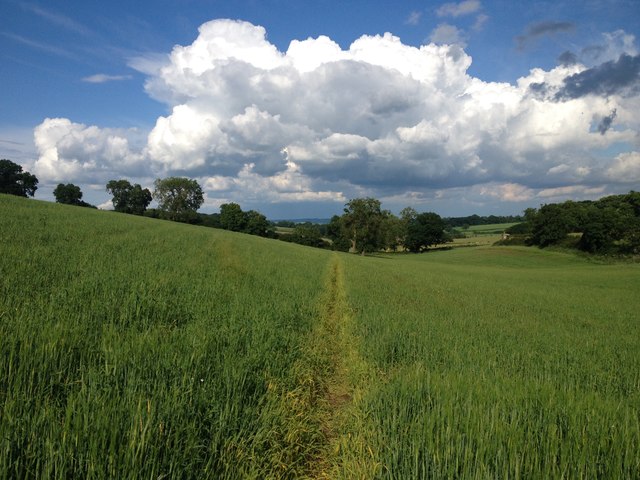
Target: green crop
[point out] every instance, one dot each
(138, 348)
(500, 363)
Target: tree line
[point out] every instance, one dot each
(610, 225)
(473, 220)
(364, 227)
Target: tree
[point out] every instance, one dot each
(553, 222)
(129, 198)
(423, 230)
(308, 234)
(407, 215)
(338, 234)
(256, 224)
(178, 198)
(393, 231)
(69, 194)
(210, 220)
(363, 222)
(600, 230)
(16, 182)
(232, 217)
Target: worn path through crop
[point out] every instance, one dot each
(341, 373)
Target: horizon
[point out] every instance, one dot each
(292, 109)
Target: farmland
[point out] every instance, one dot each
(137, 348)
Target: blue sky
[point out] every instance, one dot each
(293, 107)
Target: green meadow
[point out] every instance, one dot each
(490, 229)
(133, 347)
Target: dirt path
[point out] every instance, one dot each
(343, 379)
(324, 420)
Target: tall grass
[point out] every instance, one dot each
(137, 348)
(500, 363)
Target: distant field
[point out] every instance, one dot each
(138, 348)
(492, 229)
(284, 230)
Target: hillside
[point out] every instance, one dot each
(137, 348)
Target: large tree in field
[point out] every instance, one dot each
(178, 198)
(128, 198)
(69, 194)
(16, 182)
(423, 230)
(362, 221)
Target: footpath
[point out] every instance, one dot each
(341, 375)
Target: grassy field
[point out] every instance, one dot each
(479, 230)
(499, 363)
(137, 348)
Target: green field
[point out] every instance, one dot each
(138, 348)
(480, 230)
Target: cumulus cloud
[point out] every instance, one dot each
(611, 46)
(567, 58)
(621, 76)
(286, 186)
(72, 151)
(625, 168)
(605, 123)
(320, 123)
(447, 34)
(508, 192)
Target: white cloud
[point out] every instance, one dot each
(380, 117)
(103, 78)
(508, 192)
(414, 18)
(108, 205)
(625, 168)
(447, 34)
(480, 22)
(613, 45)
(75, 152)
(288, 185)
(576, 191)
(458, 9)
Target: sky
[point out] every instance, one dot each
(294, 107)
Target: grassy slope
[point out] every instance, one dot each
(132, 347)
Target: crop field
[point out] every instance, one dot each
(481, 230)
(499, 363)
(138, 348)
